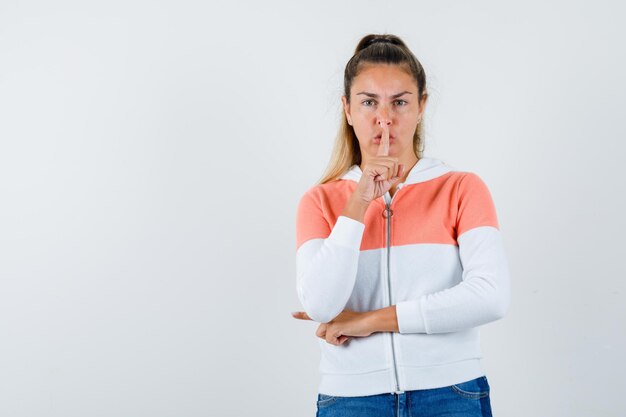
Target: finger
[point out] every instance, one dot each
(400, 172)
(321, 332)
(383, 148)
(382, 172)
(331, 338)
(343, 339)
(388, 165)
(301, 315)
(394, 168)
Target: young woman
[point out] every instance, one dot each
(399, 256)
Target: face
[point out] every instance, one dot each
(387, 93)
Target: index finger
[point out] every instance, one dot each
(300, 315)
(383, 148)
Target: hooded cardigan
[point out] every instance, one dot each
(433, 250)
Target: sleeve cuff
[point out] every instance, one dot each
(410, 317)
(347, 232)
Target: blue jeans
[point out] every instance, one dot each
(466, 399)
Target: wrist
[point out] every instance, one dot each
(355, 208)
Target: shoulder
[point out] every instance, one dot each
(470, 179)
(318, 210)
(475, 206)
(464, 181)
(326, 191)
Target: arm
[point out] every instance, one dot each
(483, 295)
(326, 260)
(477, 300)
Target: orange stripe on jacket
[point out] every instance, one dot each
(434, 211)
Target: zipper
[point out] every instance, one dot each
(387, 214)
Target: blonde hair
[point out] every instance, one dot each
(372, 49)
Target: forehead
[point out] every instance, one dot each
(383, 78)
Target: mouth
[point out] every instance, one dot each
(378, 138)
(380, 135)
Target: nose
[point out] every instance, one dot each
(382, 117)
(383, 120)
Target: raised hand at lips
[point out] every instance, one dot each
(380, 172)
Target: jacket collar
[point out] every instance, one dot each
(425, 169)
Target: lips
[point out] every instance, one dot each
(377, 142)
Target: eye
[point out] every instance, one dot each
(401, 102)
(365, 102)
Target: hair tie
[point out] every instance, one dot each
(380, 40)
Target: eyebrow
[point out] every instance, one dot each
(376, 95)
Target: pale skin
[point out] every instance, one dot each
(384, 111)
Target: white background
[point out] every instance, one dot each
(152, 155)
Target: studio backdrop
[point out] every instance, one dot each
(152, 156)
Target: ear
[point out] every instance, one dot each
(346, 109)
(422, 106)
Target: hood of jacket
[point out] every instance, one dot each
(425, 169)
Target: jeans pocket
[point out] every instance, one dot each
(473, 389)
(324, 400)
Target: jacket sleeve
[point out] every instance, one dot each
(326, 259)
(483, 295)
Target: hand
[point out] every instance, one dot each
(381, 172)
(337, 331)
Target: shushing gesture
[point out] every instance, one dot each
(381, 172)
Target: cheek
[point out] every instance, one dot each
(407, 121)
(362, 124)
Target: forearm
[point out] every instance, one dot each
(383, 320)
(481, 297)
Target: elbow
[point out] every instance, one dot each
(320, 315)
(319, 311)
(496, 294)
(501, 304)
(317, 307)
(503, 293)
(494, 300)
(499, 312)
